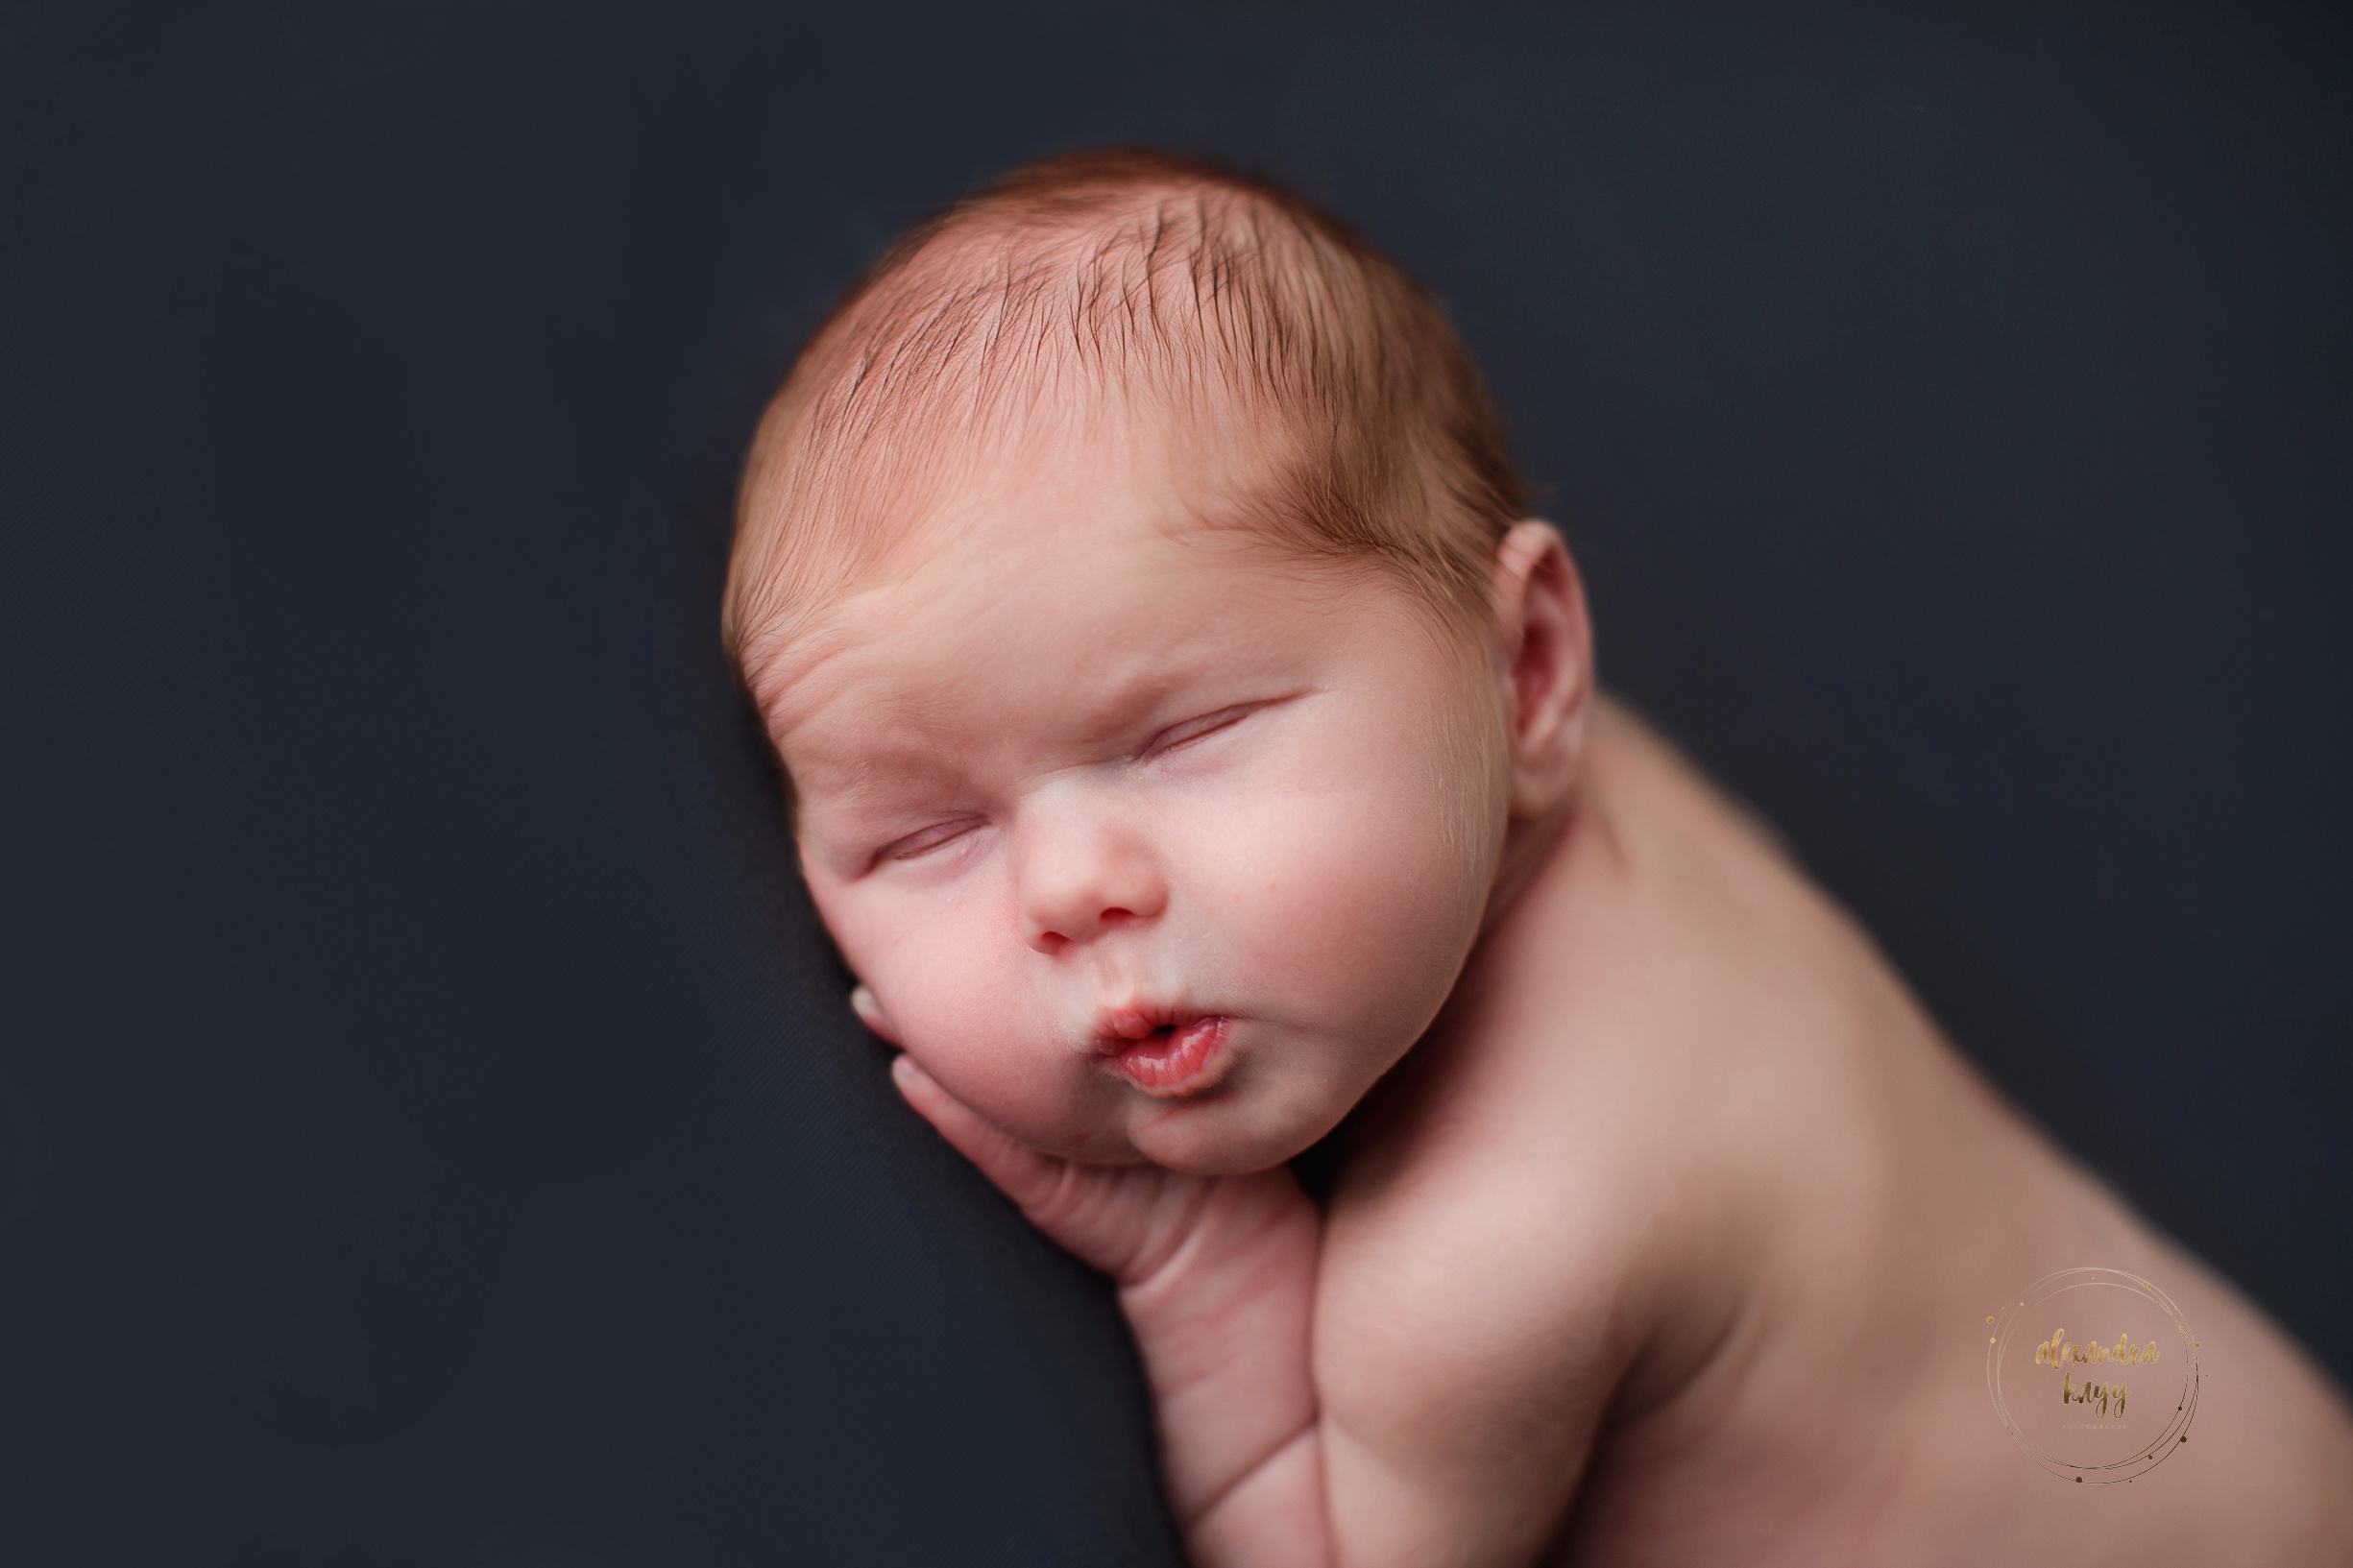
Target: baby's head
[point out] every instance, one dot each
(1131, 576)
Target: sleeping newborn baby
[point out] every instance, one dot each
(1193, 747)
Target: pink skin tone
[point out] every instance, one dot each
(1136, 839)
(1157, 853)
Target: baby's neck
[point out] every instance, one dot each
(1528, 843)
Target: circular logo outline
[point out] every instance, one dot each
(2150, 1455)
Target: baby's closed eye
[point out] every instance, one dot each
(924, 841)
(1189, 730)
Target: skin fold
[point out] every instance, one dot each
(1667, 1220)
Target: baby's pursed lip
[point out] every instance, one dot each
(1168, 1052)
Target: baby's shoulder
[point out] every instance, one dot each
(1570, 1166)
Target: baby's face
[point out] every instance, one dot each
(1145, 843)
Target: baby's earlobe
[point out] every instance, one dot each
(870, 1013)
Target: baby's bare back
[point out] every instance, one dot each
(1676, 1239)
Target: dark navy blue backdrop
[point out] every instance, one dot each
(429, 1128)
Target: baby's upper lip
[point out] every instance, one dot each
(1119, 1027)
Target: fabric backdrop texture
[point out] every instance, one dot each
(431, 1129)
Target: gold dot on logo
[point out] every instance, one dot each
(1989, 1317)
(2079, 1481)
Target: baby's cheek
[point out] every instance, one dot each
(1351, 890)
(955, 993)
(918, 960)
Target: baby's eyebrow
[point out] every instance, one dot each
(865, 790)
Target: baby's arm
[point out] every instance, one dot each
(1216, 1276)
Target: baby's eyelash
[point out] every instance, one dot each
(1194, 729)
(925, 840)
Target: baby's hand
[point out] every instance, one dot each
(1216, 1276)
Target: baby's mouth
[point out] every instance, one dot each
(1168, 1055)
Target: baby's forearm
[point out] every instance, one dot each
(1223, 1325)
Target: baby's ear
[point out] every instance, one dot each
(1547, 653)
(870, 1013)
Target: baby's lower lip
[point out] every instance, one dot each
(1184, 1059)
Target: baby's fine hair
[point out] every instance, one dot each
(1144, 282)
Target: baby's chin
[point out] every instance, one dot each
(1224, 1133)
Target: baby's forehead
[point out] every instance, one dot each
(1082, 553)
(1077, 616)
(1112, 541)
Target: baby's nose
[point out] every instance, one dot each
(1074, 881)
